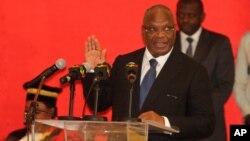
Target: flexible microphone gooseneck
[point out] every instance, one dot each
(102, 72)
(131, 70)
(76, 72)
(59, 65)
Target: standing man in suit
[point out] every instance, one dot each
(180, 95)
(210, 49)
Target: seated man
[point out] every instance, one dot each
(45, 109)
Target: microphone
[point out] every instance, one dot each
(131, 69)
(102, 71)
(59, 64)
(76, 72)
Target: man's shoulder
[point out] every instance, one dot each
(135, 52)
(17, 134)
(215, 34)
(179, 57)
(19, 131)
(133, 55)
(186, 64)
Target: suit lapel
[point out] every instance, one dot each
(164, 78)
(203, 47)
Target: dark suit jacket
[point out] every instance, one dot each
(181, 92)
(214, 52)
(16, 135)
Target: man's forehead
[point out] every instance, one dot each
(159, 16)
(40, 104)
(189, 7)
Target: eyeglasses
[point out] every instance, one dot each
(38, 111)
(181, 15)
(153, 30)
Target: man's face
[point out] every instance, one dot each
(158, 32)
(42, 112)
(189, 17)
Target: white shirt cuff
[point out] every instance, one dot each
(167, 124)
(166, 121)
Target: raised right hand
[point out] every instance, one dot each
(94, 54)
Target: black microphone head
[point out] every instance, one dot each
(102, 71)
(60, 63)
(76, 72)
(65, 79)
(131, 69)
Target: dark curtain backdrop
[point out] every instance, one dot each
(35, 33)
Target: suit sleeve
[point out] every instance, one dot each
(223, 78)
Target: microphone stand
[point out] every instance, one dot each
(130, 118)
(130, 100)
(75, 76)
(33, 111)
(30, 116)
(95, 117)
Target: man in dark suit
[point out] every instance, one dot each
(180, 95)
(210, 49)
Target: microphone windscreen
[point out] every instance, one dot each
(131, 69)
(102, 71)
(60, 63)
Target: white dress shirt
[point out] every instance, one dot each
(185, 43)
(145, 63)
(145, 67)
